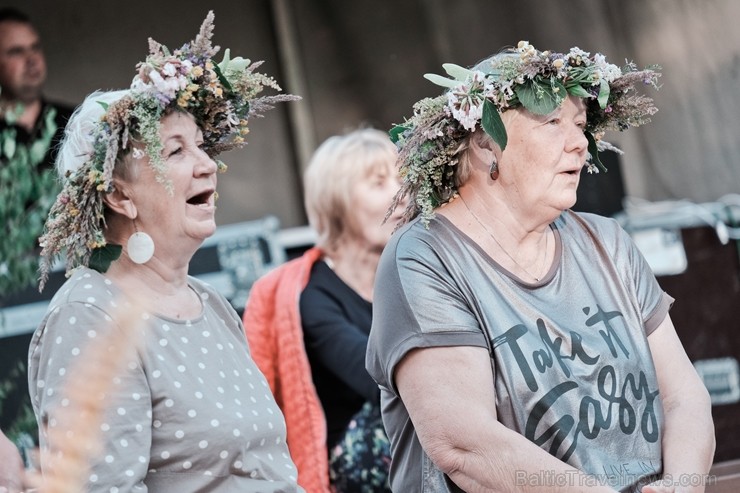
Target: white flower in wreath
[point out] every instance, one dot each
(186, 66)
(466, 100)
(169, 69)
(609, 71)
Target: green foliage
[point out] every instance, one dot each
(459, 73)
(222, 78)
(604, 91)
(101, 257)
(221, 97)
(26, 195)
(541, 97)
(24, 420)
(432, 141)
(395, 132)
(578, 91)
(493, 125)
(593, 149)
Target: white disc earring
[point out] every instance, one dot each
(140, 247)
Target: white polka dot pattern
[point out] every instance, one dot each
(193, 389)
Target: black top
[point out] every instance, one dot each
(336, 323)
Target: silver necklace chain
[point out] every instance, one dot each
(542, 263)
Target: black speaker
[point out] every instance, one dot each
(706, 314)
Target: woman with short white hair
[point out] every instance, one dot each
(139, 374)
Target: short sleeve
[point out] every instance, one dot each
(125, 430)
(654, 303)
(418, 303)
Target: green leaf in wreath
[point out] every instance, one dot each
(594, 151)
(603, 94)
(456, 71)
(578, 91)
(101, 258)
(441, 81)
(540, 98)
(396, 132)
(233, 65)
(493, 125)
(222, 78)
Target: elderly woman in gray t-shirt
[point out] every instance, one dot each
(520, 346)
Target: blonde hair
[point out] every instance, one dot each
(337, 164)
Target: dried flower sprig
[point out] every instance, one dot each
(431, 141)
(220, 96)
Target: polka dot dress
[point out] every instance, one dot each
(191, 413)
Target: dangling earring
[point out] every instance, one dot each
(493, 172)
(140, 247)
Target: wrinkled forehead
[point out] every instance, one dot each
(572, 107)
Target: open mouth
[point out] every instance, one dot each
(202, 199)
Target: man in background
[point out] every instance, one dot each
(22, 77)
(30, 128)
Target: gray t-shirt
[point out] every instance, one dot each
(572, 368)
(191, 412)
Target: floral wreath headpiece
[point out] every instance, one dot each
(431, 142)
(220, 96)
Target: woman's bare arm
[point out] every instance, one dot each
(449, 394)
(688, 435)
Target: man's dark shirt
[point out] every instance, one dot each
(13, 349)
(24, 137)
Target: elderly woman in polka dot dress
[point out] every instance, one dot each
(190, 411)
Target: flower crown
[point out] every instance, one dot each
(431, 142)
(220, 96)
